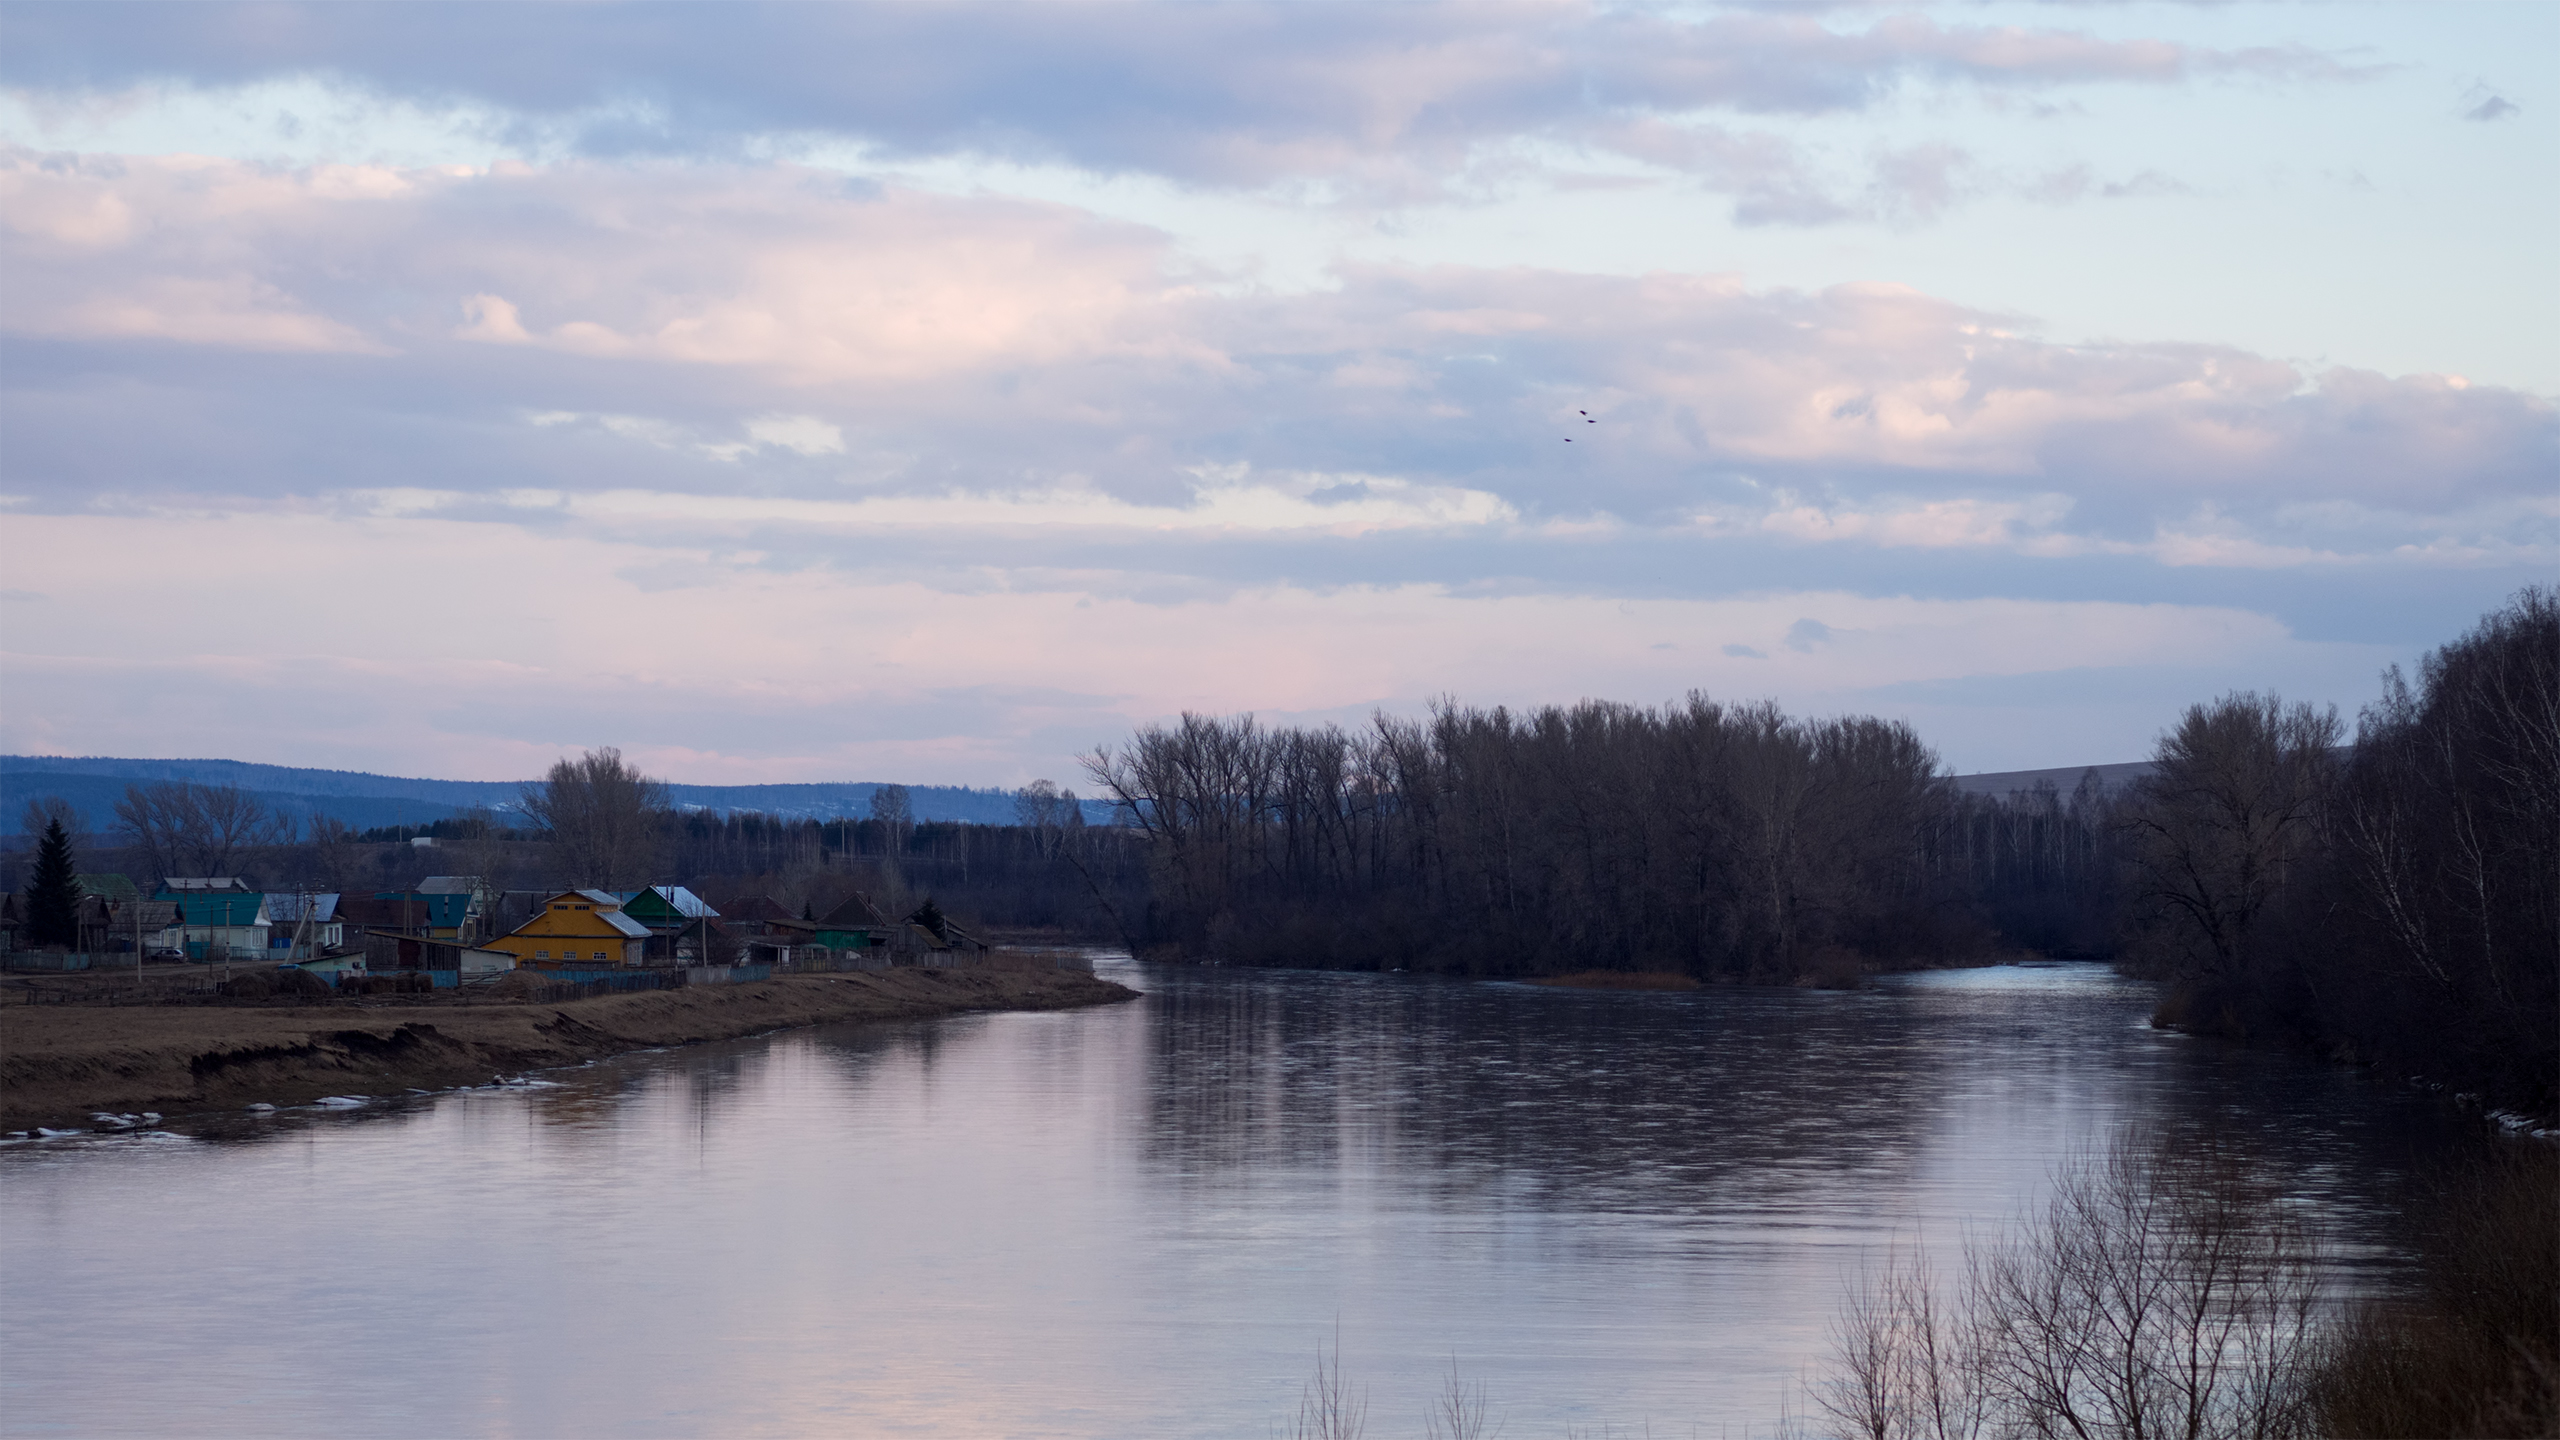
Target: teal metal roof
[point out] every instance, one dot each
(228, 907)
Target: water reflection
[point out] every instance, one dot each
(1616, 1208)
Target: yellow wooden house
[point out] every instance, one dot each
(582, 929)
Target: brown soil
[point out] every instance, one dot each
(59, 1063)
(1619, 980)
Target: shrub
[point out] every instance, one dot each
(2162, 1293)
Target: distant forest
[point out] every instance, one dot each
(2388, 895)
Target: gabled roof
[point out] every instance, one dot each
(112, 887)
(285, 907)
(757, 909)
(222, 908)
(602, 906)
(202, 884)
(671, 901)
(854, 914)
(624, 923)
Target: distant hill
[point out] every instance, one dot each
(2002, 782)
(92, 784)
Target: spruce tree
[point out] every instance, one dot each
(53, 892)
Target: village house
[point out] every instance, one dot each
(437, 914)
(215, 924)
(306, 924)
(680, 924)
(853, 925)
(581, 928)
(201, 885)
(930, 938)
(765, 930)
(479, 900)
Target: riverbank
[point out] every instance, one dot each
(60, 1063)
(1618, 980)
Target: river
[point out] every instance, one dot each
(1615, 1211)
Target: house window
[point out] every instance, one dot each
(600, 955)
(541, 954)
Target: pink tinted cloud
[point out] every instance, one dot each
(546, 642)
(1018, 345)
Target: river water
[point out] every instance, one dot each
(1615, 1211)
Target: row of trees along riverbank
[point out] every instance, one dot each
(2396, 900)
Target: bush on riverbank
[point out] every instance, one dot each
(2477, 1350)
(2165, 1291)
(2162, 1292)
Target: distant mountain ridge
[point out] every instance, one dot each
(2110, 778)
(92, 784)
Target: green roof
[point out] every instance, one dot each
(111, 887)
(228, 907)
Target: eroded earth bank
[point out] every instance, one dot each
(61, 1063)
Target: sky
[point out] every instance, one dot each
(933, 393)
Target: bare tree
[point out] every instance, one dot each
(1329, 1408)
(44, 813)
(190, 829)
(605, 815)
(1055, 819)
(1042, 808)
(2163, 1294)
(2216, 829)
(894, 808)
(1906, 1365)
(335, 850)
(477, 848)
(1458, 1411)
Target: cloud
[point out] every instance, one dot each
(776, 335)
(1376, 98)
(2496, 107)
(799, 434)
